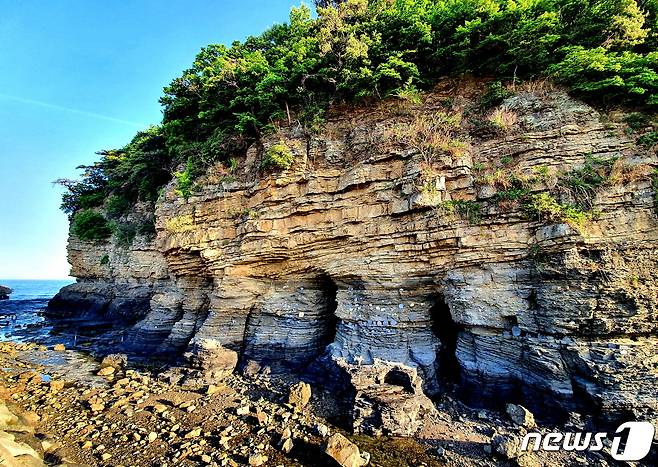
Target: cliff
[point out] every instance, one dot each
(405, 250)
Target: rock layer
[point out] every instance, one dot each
(348, 259)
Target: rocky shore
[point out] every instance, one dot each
(120, 415)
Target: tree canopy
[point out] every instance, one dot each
(604, 50)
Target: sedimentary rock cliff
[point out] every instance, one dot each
(394, 251)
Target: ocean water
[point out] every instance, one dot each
(21, 317)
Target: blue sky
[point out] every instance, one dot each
(84, 75)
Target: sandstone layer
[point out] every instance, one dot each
(348, 261)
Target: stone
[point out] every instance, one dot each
(243, 410)
(213, 389)
(49, 445)
(344, 452)
(299, 395)
(7, 418)
(287, 446)
(520, 415)
(116, 361)
(5, 292)
(59, 347)
(195, 433)
(262, 417)
(213, 359)
(56, 385)
(257, 459)
(159, 408)
(507, 446)
(106, 371)
(322, 430)
(389, 399)
(251, 368)
(16, 453)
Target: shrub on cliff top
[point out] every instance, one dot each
(90, 225)
(604, 50)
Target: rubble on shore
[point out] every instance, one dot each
(136, 416)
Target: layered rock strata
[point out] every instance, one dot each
(356, 257)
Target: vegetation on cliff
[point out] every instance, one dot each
(604, 50)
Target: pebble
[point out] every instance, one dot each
(193, 434)
(257, 459)
(107, 371)
(287, 446)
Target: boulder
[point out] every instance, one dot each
(508, 446)
(520, 415)
(300, 395)
(6, 417)
(118, 361)
(215, 361)
(15, 453)
(345, 452)
(5, 292)
(389, 398)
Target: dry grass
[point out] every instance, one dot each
(534, 86)
(432, 135)
(622, 173)
(503, 119)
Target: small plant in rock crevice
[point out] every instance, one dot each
(648, 140)
(278, 156)
(124, 233)
(466, 209)
(545, 208)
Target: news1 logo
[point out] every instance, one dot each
(631, 442)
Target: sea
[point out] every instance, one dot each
(21, 316)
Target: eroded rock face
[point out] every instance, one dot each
(348, 256)
(389, 398)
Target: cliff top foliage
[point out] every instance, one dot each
(603, 50)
